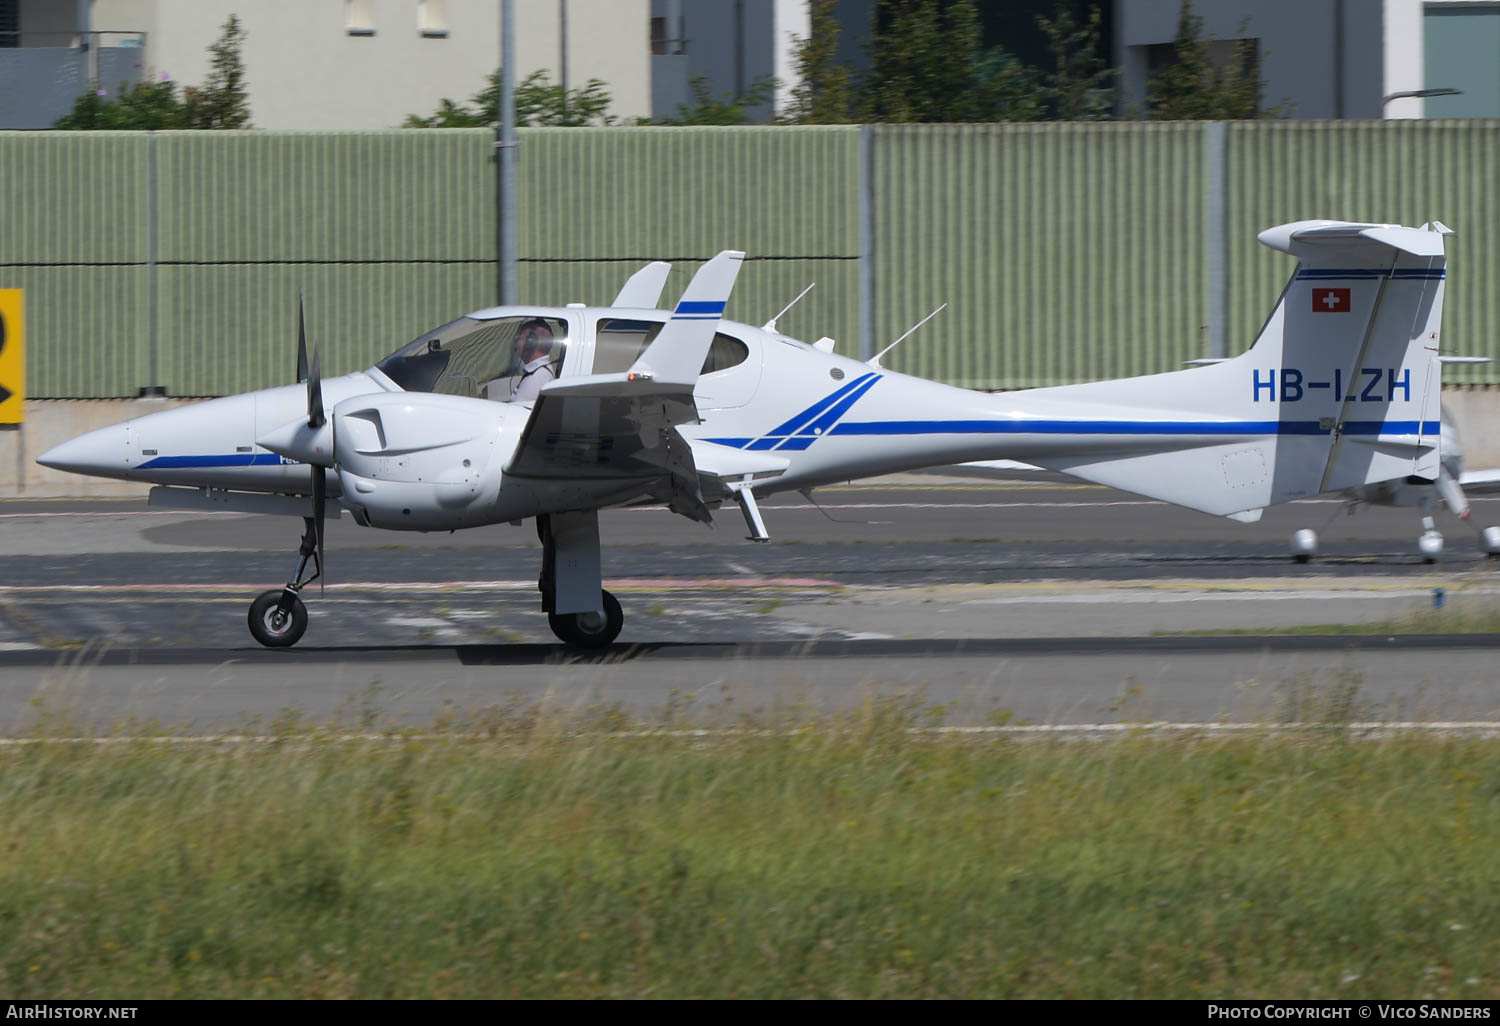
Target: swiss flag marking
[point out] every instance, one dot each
(1330, 300)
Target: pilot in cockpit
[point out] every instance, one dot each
(534, 352)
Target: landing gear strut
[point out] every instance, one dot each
(278, 619)
(580, 612)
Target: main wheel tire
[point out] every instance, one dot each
(273, 628)
(571, 631)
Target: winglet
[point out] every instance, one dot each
(678, 353)
(642, 290)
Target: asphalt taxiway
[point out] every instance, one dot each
(998, 600)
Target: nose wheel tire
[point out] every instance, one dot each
(274, 628)
(577, 630)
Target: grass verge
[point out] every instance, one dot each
(511, 854)
(1485, 620)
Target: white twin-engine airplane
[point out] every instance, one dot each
(642, 406)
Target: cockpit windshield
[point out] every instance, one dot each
(508, 358)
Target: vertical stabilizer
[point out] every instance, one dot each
(1365, 304)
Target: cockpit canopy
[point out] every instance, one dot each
(510, 358)
(494, 359)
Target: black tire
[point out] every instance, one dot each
(271, 627)
(570, 632)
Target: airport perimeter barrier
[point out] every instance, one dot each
(1065, 252)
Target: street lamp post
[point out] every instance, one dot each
(1418, 93)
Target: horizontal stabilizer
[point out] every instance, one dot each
(1307, 238)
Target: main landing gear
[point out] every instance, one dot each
(278, 619)
(580, 612)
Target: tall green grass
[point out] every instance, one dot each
(514, 854)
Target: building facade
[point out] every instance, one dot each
(731, 44)
(321, 64)
(1334, 58)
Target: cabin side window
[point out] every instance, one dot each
(619, 343)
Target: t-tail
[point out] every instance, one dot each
(1341, 388)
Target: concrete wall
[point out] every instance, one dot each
(1475, 411)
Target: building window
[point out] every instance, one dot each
(10, 23)
(359, 17)
(663, 41)
(432, 19)
(1462, 44)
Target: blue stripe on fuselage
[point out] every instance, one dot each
(238, 459)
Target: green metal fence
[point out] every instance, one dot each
(1065, 251)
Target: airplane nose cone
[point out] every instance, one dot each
(102, 453)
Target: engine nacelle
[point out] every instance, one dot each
(421, 461)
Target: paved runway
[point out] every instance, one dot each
(1000, 600)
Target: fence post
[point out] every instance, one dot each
(866, 241)
(153, 386)
(1215, 137)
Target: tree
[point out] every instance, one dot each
(928, 63)
(538, 102)
(154, 106)
(1077, 87)
(1196, 87)
(223, 101)
(144, 106)
(729, 109)
(824, 94)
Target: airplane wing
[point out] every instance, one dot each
(612, 438)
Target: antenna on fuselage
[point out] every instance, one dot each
(874, 361)
(771, 324)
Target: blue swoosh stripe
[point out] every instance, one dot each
(822, 423)
(797, 421)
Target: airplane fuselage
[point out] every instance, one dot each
(824, 418)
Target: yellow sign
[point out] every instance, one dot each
(12, 355)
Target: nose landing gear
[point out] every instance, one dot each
(278, 619)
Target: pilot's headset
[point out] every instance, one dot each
(539, 345)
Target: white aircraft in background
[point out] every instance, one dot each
(1449, 489)
(683, 409)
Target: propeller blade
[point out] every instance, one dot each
(301, 341)
(315, 417)
(320, 500)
